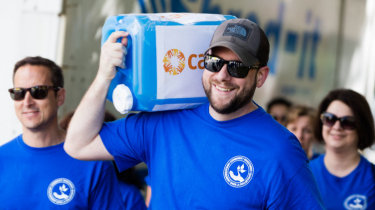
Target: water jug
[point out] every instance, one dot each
(164, 63)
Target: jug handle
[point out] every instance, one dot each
(128, 47)
(109, 30)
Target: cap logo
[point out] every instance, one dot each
(237, 30)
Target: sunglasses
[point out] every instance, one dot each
(37, 92)
(346, 122)
(235, 68)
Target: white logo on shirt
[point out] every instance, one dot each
(238, 171)
(61, 191)
(356, 202)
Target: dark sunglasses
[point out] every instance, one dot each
(346, 122)
(37, 92)
(235, 68)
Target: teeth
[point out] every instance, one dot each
(30, 113)
(223, 89)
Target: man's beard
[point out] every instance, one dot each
(236, 103)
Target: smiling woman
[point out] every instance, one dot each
(345, 178)
(300, 121)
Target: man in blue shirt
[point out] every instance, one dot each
(227, 154)
(35, 171)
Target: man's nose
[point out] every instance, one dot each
(28, 100)
(223, 74)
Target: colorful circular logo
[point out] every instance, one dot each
(61, 191)
(174, 62)
(238, 171)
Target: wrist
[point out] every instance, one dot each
(103, 79)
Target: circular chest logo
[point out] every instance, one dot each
(238, 171)
(61, 191)
(174, 62)
(356, 202)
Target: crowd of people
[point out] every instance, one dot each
(226, 154)
(343, 125)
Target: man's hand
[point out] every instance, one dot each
(112, 55)
(83, 141)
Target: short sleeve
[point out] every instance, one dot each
(106, 192)
(301, 192)
(124, 140)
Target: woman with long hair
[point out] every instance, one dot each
(345, 178)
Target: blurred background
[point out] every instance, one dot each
(316, 45)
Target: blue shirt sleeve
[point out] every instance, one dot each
(301, 191)
(124, 139)
(105, 192)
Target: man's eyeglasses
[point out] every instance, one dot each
(37, 92)
(346, 122)
(235, 68)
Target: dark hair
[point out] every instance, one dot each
(278, 100)
(364, 121)
(299, 111)
(57, 77)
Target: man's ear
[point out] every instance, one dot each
(262, 76)
(60, 97)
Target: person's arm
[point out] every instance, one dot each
(148, 196)
(82, 141)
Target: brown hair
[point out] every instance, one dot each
(364, 122)
(299, 111)
(57, 77)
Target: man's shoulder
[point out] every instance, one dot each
(283, 146)
(162, 115)
(10, 146)
(275, 132)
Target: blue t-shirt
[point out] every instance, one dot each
(196, 162)
(355, 191)
(48, 178)
(131, 197)
(315, 155)
(147, 180)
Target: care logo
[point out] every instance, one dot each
(61, 191)
(174, 62)
(238, 171)
(356, 202)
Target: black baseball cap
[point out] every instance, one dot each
(243, 37)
